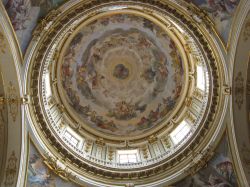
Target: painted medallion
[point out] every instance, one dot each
(122, 74)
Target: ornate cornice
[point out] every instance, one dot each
(63, 23)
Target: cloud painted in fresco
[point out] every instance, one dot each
(25, 14)
(221, 12)
(39, 175)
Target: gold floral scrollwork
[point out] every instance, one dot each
(110, 154)
(198, 94)
(167, 142)
(188, 101)
(239, 89)
(152, 139)
(246, 31)
(227, 90)
(100, 142)
(145, 152)
(248, 88)
(2, 43)
(58, 170)
(87, 146)
(246, 155)
(188, 48)
(191, 117)
(13, 101)
(11, 170)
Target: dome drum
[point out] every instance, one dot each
(119, 81)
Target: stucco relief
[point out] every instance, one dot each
(12, 101)
(3, 132)
(239, 89)
(161, 63)
(241, 93)
(2, 43)
(11, 170)
(245, 150)
(246, 31)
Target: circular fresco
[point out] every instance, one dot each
(114, 78)
(121, 74)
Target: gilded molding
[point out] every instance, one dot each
(51, 162)
(2, 43)
(12, 101)
(51, 25)
(246, 31)
(199, 160)
(239, 89)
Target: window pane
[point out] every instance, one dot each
(71, 138)
(67, 135)
(131, 156)
(47, 85)
(127, 156)
(74, 141)
(180, 132)
(123, 157)
(132, 160)
(200, 78)
(123, 161)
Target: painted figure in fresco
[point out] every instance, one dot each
(221, 12)
(153, 116)
(18, 11)
(85, 89)
(46, 5)
(88, 78)
(107, 125)
(38, 174)
(125, 111)
(149, 75)
(169, 103)
(11, 169)
(120, 71)
(148, 24)
(218, 172)
(225, 169)
(215, 181)
(218, 8)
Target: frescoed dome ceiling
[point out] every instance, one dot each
(121, 74)
(126, 92)
(111, 79)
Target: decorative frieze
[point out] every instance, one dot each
(239, 90)
(11, 170)
(102, 168)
